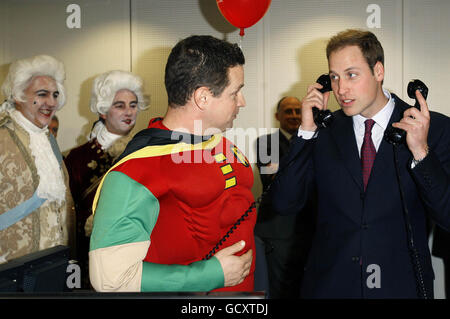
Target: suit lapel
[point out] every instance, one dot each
(343, 135)
(385, 153)
(284, 144)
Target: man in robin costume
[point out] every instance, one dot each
(176, 212)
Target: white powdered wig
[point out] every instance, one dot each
(21, 73)
(106, 86)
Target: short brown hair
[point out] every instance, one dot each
(366, 41)
(196, 61)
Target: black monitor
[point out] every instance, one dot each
(11, 276)
(42, 271)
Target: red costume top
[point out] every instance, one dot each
(201, 194)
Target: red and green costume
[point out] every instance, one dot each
(162, 208)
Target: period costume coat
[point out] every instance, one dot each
(29, 221)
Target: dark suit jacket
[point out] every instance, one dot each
(269, 223)
(356, 229)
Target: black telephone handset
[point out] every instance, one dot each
(415, 85)
(323, 118)
(395, 135)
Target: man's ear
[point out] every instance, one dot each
(378, 71)
(202, 97)
(276, 116)
(103, 116)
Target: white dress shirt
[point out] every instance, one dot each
(381, 122)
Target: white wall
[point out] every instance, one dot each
(284, 51)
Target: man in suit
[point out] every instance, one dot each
(286, 238)
(371, 238)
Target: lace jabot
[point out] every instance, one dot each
(51, 181)
(104, 137)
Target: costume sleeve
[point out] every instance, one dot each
(294, 180)
(124, 219)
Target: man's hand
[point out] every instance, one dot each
(235, 268)
(313, 98)
(416, 124)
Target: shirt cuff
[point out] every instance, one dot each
(306, 135)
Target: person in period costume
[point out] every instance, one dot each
(117, 97)
(36, 209)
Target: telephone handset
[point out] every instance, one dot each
(395, 135)
(323, 118)
(415, 85)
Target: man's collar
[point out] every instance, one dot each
(286, 134)
(382, 117)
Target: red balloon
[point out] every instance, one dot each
(243, 13)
